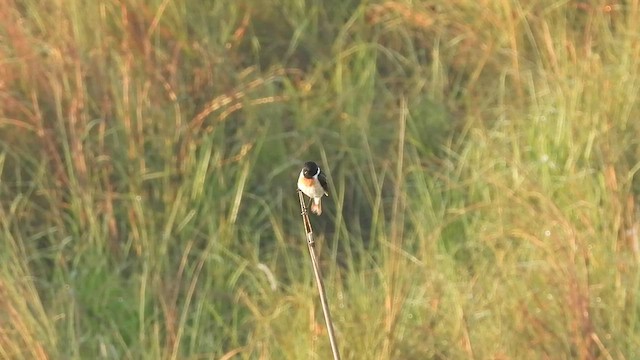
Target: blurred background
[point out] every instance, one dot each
(481, 156)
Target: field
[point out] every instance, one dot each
(483, 160)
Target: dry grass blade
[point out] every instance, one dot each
(318, 277)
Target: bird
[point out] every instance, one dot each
(313, 183)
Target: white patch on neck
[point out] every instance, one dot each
(317, 172)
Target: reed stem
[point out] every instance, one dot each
(318, 277)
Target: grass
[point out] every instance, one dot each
(482, 159)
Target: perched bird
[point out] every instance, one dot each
(313, 183)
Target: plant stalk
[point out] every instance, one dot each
(318, 277)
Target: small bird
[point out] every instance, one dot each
(313, 183)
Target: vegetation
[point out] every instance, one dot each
(482, 157)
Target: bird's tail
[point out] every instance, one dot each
(316, 206)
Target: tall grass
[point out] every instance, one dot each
(482, 159)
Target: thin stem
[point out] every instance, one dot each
(318, 277)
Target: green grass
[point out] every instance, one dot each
(482, 159)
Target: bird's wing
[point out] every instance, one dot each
(323, 182)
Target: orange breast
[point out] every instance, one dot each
(307, 182)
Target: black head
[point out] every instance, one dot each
(310, 169)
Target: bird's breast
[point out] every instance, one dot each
(306, 182)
